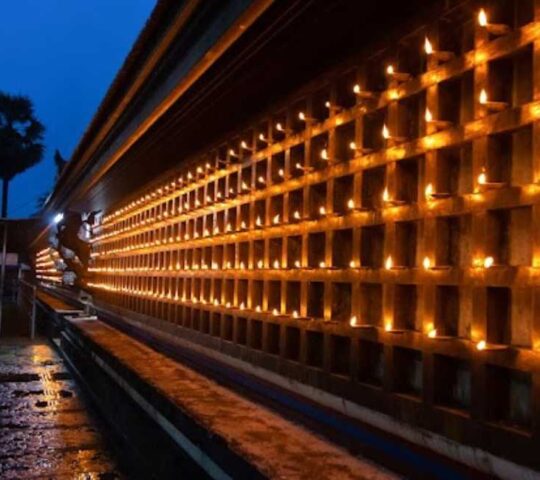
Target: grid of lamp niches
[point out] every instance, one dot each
(396, 198)
(45, 266)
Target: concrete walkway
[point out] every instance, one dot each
(45, 430)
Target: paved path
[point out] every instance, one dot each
(45, 430)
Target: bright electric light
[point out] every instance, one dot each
(58, 218)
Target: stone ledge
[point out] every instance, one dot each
(227, 434)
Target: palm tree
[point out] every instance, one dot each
(20, 140)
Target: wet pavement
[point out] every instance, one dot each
(45, 428)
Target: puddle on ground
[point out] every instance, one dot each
(46, 430)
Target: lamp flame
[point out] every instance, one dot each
(482, 178)
(483, 97)
(482, 18)
(324, 154)
(428, 47)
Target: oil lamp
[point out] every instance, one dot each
(440, 56)
(362, 94)
(392, 74)
(492, 28)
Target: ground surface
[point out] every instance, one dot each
(45, 430)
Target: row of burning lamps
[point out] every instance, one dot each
(387, 200)
(261, 181)
(185, 208)
(427, 264)
(45, 265)
(153, 294)
(494, 29)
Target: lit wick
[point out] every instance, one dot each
(362, 94)
(437, 124)
(490, 105)
(493, 28)
(397, 76)
(439, 56)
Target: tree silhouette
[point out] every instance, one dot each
(20, 140)
(60, 163)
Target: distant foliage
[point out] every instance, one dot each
(21, 136)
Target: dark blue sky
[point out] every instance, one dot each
(64, 55)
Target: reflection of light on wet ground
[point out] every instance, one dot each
(51, 388)
(46, 431)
